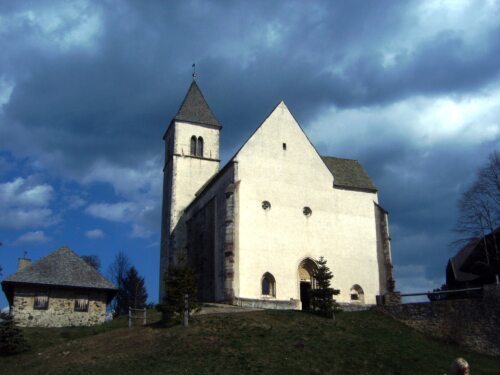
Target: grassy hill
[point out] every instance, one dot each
(252, 342)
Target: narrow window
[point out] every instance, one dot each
(193, 145)
(266, 205)
(199, 149)
(284, 146)
(41, 301)
(357, 294)
(268, 285)
(82, 303)
(307, 211)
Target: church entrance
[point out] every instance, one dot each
(307, 282)
(305, 298)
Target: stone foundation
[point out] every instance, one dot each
(268, 304)
(473, 323)
(61, 308)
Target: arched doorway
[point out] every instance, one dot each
(307, 282)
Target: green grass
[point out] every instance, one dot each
(253, 342)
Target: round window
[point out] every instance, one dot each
(266, 205)
(307, 211)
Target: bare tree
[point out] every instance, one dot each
(479, 211)
(92, 260)
(117, 272)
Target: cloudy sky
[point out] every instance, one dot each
(411, 89)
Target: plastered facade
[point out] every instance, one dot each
(226, 220)
(184, 175)
(341, 228)
(61, 308)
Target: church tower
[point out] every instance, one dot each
(191, 159)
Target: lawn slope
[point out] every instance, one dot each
(254, 342)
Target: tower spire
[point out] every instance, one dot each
(194, 71)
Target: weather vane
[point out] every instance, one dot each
(194, 71)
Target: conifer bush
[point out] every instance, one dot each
(322, 301)
(12, 340)
(179, 281)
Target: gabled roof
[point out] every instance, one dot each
(349, 174)
(460, 258)
(60, 268)
(195, 108)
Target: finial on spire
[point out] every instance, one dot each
(194, 71)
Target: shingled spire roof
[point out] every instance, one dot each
(195, 108)
(61, 268)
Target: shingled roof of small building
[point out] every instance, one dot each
(194, 108)
(349, 174)
(61, 268)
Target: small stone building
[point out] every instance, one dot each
(59, 290)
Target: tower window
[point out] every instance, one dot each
(284, 146)
(307, 211)
(199, 148)
(266, 205)
(193, 145)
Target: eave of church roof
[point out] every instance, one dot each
(194, 108)
(349, 174)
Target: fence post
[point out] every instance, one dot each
(145, 318)
(186, 311)
(129, 318)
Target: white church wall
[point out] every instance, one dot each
(341, 227)
(191, 173)
(185, 175)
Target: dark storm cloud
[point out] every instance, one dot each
(116, 98)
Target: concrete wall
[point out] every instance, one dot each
(61, 309)
(342, 227)
(473, 323)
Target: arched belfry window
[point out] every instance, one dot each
(199, 149)
(193, 145)
(268, 285)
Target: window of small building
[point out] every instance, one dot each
(41, 301)
(284, 146)
(307, 211)
(193, 145)
(357, 294)
(82, 303)
(199, 148)
(268, 285)
(266, 205)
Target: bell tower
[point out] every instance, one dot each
(191, 159)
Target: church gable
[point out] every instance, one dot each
(279, 149)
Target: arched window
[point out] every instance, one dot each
(199, 149)
(193, 145)
(357, 294)
(268, 285)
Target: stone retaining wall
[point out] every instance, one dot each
(61, 309)
(473, 323)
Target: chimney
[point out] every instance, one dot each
(23, 263)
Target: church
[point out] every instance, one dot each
(254, 228)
